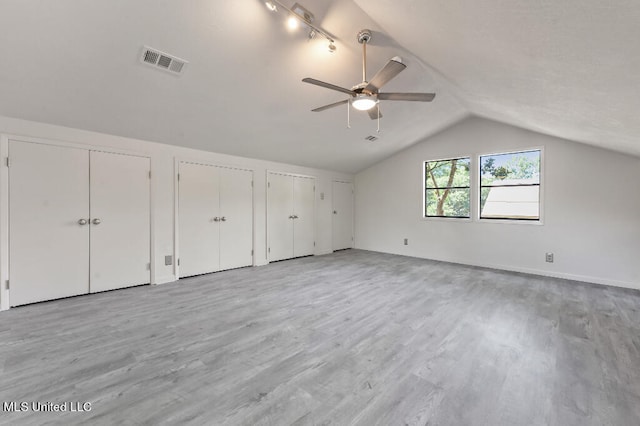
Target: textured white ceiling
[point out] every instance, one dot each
(565, 68)
(568, 68)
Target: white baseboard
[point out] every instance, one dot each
(533, 271)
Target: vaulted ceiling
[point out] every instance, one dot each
(570, 69)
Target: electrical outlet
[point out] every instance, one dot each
(406, 241)
(168, 260)
(549, 257)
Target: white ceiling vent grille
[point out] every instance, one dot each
(161, 60)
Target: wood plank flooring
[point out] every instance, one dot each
(354, 337)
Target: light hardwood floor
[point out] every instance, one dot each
(354, 337)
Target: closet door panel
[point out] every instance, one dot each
(198, 207)
(120, 221)
(279, 213)
(48, 248)
(236, 209)
(304, 210)
(342, 215)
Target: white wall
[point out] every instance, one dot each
(591, 209)
(162, 189)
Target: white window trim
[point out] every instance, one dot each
(423, 214)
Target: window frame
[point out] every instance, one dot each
(425, 188)
(540, 185)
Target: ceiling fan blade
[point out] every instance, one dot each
(328, 86)
(373, 112)
(420, 97)
(383, 76)
(335, 104)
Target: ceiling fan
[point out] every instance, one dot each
(365, 96)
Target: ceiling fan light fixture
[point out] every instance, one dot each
(271, 6)
(364, 102)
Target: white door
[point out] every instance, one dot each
(342, 215)
(48, 196)
(304, 223)
(120, 221)
(198, 219)
(280, 216)
(236, 222)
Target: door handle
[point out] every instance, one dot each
(223, 219)
(216, 219)
(83, 222)
(291, 217)
(96, 221)
(295, 216)
(335, 212)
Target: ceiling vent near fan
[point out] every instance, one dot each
(163, 61)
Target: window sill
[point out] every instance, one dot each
(511, 221)
(446, 219)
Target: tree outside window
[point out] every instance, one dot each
(447, 188)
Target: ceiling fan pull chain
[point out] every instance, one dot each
(378, 131)
(348, 114)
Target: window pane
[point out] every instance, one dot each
(510, 202)
(440, 173)
(517, 168)
(454, 204)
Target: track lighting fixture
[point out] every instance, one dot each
(293, 23)
(301, 17)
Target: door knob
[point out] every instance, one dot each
(96, 221)
(295, 216)
(83, 222)
(335, 212)
(216, 219)
(224, 219)
(291, 217)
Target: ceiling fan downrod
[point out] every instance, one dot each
(364, 37)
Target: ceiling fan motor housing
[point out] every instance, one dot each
(364, 36)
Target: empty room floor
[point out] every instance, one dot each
(353, 337)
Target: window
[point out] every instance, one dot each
(510, 186)
(447, 189)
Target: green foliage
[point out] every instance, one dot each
(520, 165)
(456, 203)
(447, 184)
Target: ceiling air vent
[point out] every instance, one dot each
(162, 60)
(371, 138)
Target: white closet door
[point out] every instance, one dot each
(304, 212)
(236, 223)
(48, 195)
(198, 209)
(279, 216)
(342, 215)
(120, 221)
